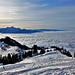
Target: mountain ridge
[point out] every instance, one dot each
(19, 30)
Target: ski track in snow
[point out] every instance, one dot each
(35, 68)
(55, 69)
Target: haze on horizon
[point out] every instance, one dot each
(38, 14)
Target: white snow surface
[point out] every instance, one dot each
(47, 64)
(51, 63)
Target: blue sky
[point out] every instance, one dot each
(38, 14)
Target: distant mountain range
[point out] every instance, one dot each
(18, 30)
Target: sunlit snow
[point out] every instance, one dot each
(51, 63)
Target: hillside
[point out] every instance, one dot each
(52, 62)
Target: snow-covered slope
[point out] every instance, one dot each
(51, 63)
(48, 64)
(5, 49)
